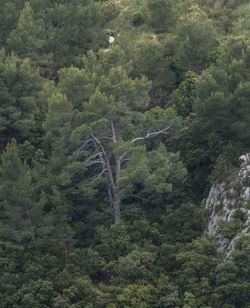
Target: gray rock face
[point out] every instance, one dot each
(229, 208)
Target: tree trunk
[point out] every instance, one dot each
(115, 190)
(116, 208)
(112, 179)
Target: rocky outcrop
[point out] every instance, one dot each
(229, 208)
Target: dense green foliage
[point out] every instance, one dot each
(107, 150)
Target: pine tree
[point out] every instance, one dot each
(109, 129)
(16, 197)
(28, 39)
(19, 88)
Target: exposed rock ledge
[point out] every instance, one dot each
(229, 208)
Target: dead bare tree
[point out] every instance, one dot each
(110, 166)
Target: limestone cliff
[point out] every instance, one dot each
(229, 208)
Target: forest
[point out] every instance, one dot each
(116, 118)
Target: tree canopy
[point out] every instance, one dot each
(108, 148)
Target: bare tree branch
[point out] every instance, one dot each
(94, 162)
(153, 134)
(81, 148)
(74, 173)
(92, 178)
(93, 156)
(123, 157)
(106, 159)
(105, 137)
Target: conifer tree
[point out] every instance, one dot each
(16, 197)
(28, 39)
(19, 88)
(162, 14)
(110, 128)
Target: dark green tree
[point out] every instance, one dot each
(8, 18)
(17, 209)
(162, 14)
(197, 42)
(28, 39)
(19, 87)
